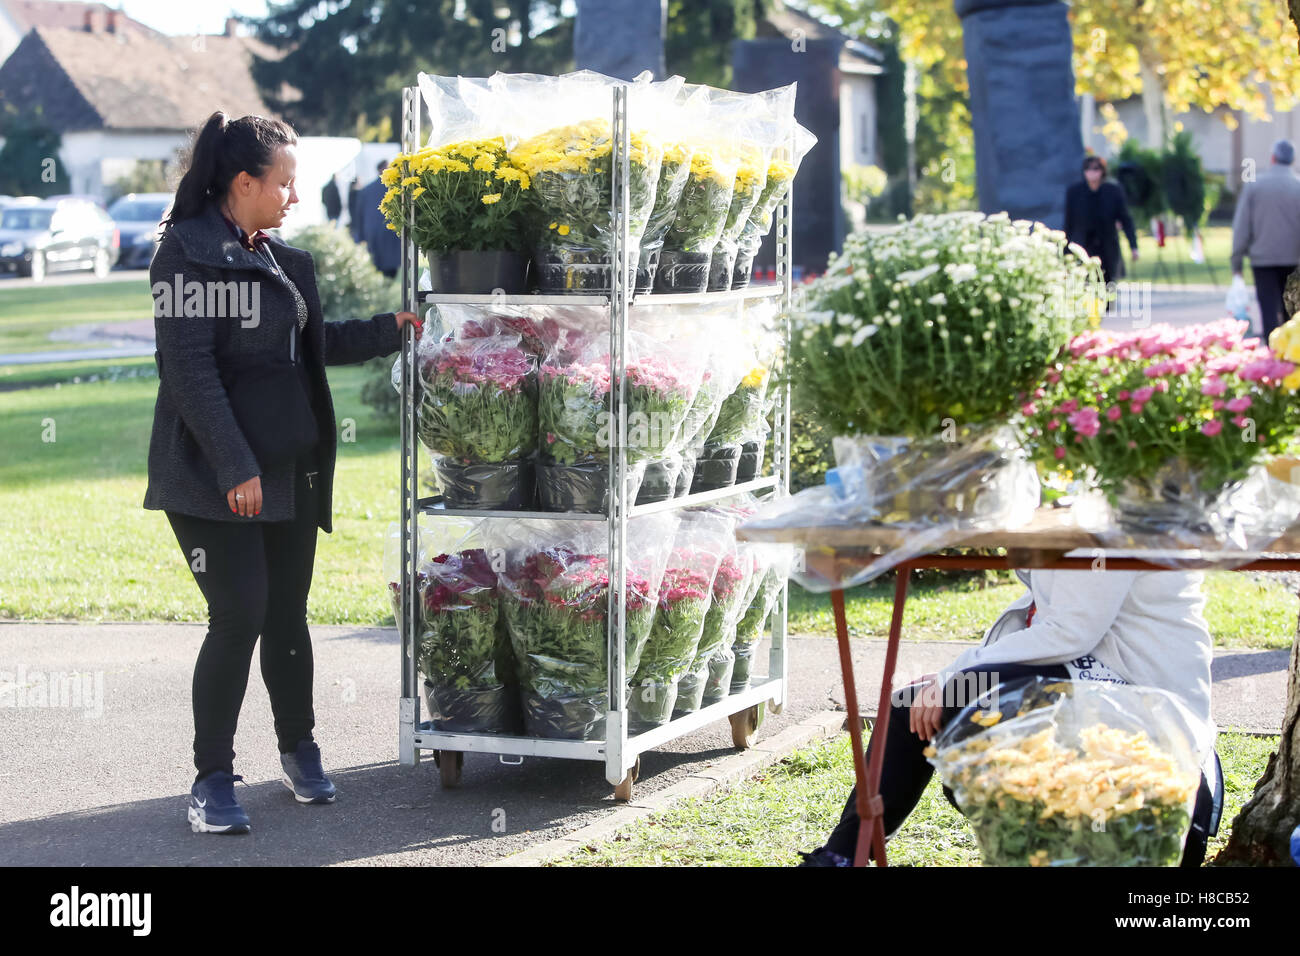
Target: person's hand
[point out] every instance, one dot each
(404, 317)
(925, 714)
(1134, 255)
(246, 499)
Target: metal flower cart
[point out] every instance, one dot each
(618, 750)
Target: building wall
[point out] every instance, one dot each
(94, 158)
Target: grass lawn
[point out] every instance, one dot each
(29, 314)
(1217, 241)
(75, 543)
(793, 805)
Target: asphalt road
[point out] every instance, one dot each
(78, 788)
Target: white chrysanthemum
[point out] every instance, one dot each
(862, 334)
(938, 299)
(841, 340)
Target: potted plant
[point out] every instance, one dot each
(569, 202)
(701, 214)
(1167, 421)
(464, 650)
(735, 571)
(673, 171)
(751, 178)
(478, 415)
(915, 343)
(467, 201)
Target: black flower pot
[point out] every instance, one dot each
(720, 268)
(650, 705)
(740, 673)
(567, 271)
(751, 461)
(690, 692)
(582, 488)
(682, 271)
(504, 486)
(646, 267)
(685, 476)
(473, 710)
(743, 271)
(660, 481)
(479, 273)
(565, 718)
(717, 685)
(715, 468)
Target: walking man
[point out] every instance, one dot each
(1266, 228)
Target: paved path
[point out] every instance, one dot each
(110, 790)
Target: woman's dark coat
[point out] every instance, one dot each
(1114, 209)
(196, 451)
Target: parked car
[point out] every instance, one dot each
(137, 216)
(53, 235)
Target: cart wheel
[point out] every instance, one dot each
(744, 726)
(450, 764)
(623, 791)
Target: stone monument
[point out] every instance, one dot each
(1028, 147)
(620, 37)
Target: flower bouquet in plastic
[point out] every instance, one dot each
(464, 650)
(735, 571)
(555, 599)
(1175, 426)
(478, 416)
(1061, 773)
(683, 603)
(772, 564)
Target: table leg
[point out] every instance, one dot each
(855, 722)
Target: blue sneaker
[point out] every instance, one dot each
(304, 775)
(213, 807)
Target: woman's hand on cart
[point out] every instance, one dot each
(404, 317)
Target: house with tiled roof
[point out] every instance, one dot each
(118, 92)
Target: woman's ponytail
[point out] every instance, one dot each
(223, 149)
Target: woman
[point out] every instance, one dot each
(1092, 208)
(248, 532)
(1134, 627)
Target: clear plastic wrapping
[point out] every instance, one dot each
(730, 585)
(554, 597)
(1075, 773)
(922, 495)
(772, 566)
(683, 602)
(560, 135)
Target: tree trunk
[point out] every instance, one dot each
(1261, 834)
(1153, 102)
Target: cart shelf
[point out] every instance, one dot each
(619, 749)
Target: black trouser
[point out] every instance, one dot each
(255, 577)
(1270, 282)
(905, 773)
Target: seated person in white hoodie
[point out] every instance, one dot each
(1136, 627)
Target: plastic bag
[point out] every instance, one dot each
(462, 648)
(923, 496)
(772, 566)
(730, 585)
(561, 136)
(782, 167)
(1238, 300)
(1075, 773)
(554, 596)
(478, 399)
(683, 602)
(1169, 521)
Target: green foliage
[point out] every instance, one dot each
(350, 60)
(1184, 181)
(146, 176)
(862, 184)
(29, 160)
(1149, 206)
(697, 43)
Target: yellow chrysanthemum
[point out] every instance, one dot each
(563, 230)
(390, 175)
(755, 378)
(484, 163)
(411, 181)
(491, 199)
(417, 192)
